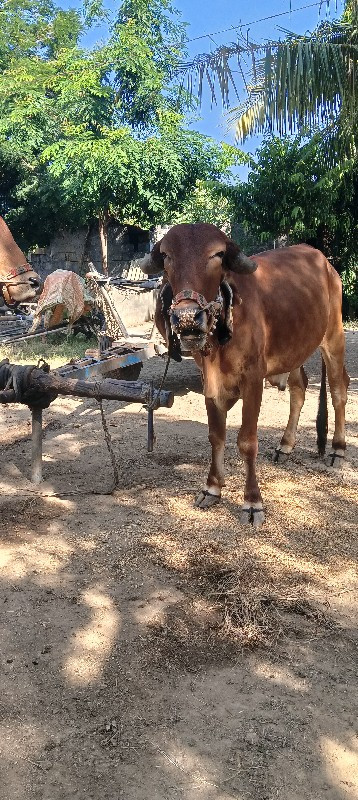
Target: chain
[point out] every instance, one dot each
(108, 440)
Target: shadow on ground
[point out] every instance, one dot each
(150, 650)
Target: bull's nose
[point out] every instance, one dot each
(34, 283)
(200, 320)
(189, 319)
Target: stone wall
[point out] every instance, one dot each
(73, 250)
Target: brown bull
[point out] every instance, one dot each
(285, 304)
(18, 281)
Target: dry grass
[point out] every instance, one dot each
(248, 605)
(250, 602)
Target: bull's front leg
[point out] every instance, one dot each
(252, 509)
(211, 493)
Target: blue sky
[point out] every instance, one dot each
(206, 17)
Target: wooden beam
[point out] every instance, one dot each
(108, 389)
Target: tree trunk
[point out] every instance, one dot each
(103, 220)
(85, 257)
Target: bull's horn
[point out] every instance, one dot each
(244, 264)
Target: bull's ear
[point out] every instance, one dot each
(236, 260)
(153, 262)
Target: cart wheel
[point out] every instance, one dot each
(130, 373)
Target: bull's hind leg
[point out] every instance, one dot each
(333, 350)
(211, 494)
(297, 382)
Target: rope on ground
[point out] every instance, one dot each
(108, 440)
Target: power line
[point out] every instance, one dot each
(248, 24)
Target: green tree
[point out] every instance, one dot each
(286, 191)
(61, 97)
(306, 85)
(290, 192)
(146, 45)
(100, 133)
(208, 201)
(36, 29)
(137, 181)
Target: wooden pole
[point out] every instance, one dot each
(44, 383)
(36, 445)
(107, 389)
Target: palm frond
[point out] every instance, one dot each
(299, 82)
(215, 65)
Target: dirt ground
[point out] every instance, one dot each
(150, 651)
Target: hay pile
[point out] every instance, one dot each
(251, 604)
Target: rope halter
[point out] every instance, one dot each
(13, 273)
(187, 316)
(7, 280)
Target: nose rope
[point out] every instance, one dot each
(13, 273)
(7, 280)
(187, 294)
(187, 317)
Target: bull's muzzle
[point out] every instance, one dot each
(191, 324)
(189, 320)
(195, 321)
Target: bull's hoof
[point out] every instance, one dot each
(251, 515)
(206, 500)
(335, 460)
(279, 457)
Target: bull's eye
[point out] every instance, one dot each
(166, 262)
(220, 254)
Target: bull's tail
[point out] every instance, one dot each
(322, 415)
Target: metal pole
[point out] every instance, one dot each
(36, 445)
(13, 339)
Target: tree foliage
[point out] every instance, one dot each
(40, 28)
(144, 62)
(138, 181)
(98, 132)
(208, 201)
(306, 85)
(290, 192)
